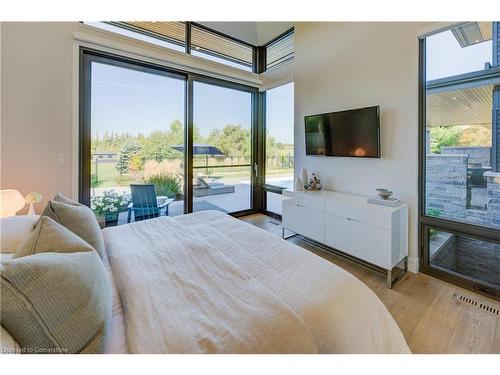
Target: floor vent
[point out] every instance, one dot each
(476, 303)
(273, 222)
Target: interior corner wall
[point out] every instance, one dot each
(37, 107)
(342, 66)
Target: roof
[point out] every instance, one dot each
(465, 99)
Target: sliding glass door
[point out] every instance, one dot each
(460, 154)
(279, 140)
(133, 117)
(223, 158)
(157, 142)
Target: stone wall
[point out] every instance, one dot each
(493, 198)
(446, 191)
(476, 154)
(446, 185)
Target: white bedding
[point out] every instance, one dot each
(207, 282)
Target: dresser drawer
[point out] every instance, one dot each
(371, 214)
(308, 200)
(366, 242)
(305, 221)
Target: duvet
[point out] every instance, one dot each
(210, 283)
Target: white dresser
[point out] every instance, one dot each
(371, 233)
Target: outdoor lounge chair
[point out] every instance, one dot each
(204, 188)
(145, 203)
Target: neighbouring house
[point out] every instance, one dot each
(105, 157)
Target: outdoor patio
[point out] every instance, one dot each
(229, 202)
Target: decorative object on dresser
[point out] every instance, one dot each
(384, 193)
(384, 198)
(374, 235)
(303, 176)
(31, 199)
(389, 202)
(299, 185)
(314, 183)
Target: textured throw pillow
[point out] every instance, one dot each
(56, 302)
(14, 230)
(49, 236)
(7, 344)
(76, 217)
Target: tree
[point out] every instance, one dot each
(136, 165)
(232, 140)
(444, 136)
(126, 154)
(157, 146)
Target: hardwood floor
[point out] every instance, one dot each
(426, 309)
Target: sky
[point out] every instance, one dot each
(125, 100)
(280, 113)
(446, 58)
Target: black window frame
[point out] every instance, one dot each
(426, 222)
(273, 41)
(88, 55)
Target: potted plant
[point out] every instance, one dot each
(108, 206)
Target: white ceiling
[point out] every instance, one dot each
(470, 106)
(255, 33)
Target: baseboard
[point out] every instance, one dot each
(413, 265)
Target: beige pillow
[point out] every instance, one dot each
(14, 230)
(49, 236)
(56, 302)
(78, 218)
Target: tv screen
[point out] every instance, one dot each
(353, 133)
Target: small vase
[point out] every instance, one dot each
(299, 185)
(303, 176)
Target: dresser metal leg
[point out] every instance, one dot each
(389, 279)
(283, 234)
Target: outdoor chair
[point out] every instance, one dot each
(144, 203)
(203, 188)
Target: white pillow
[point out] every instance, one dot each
(14, 231)
(7, 344)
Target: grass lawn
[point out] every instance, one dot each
(108, 176)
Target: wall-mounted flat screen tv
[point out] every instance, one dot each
(352, 133)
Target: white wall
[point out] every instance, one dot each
(351, 65)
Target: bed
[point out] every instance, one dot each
(209, 283)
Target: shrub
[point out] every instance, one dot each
(166, 167)
(169, 185)
(444, 136)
